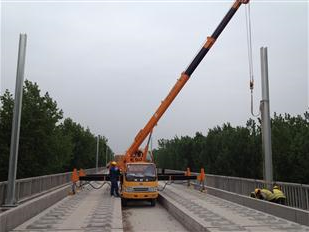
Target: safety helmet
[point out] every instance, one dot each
(114, 163)
(257, 190)
(276, 187)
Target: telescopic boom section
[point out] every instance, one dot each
(133, 153)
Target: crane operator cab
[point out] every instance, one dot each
(140, 182)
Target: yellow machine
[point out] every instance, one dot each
(139, 178)
(140, 182)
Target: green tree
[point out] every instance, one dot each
(84, 145)
(46, 144)
(6, 112)
(236, 151)
(290, 140)
(40, 139)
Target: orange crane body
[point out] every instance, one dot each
(140, 178)
(142, 134)
(133, 154)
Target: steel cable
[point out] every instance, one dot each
(250, 59)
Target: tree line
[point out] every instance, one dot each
(237, 151)
(48, 143)
(51, 144)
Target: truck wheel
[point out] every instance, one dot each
(123, 202)
(153, 202)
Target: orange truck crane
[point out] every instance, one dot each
(139, 179)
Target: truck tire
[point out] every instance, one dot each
(123, 202)
(153, 202)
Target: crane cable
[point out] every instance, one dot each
(249, 47)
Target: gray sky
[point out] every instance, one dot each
(108, 65)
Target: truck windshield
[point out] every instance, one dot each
(141, 172)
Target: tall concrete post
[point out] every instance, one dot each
(97, 156)
(266, 131)
(10, 195)
(106, 148)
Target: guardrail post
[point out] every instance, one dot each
(307, 198)
(97, 155)
(188, 173)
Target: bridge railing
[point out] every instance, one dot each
(28, 187)
(297, 194)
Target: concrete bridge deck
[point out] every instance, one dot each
(90, 210)
(204, 212)
(94, 210)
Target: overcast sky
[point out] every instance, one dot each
(109, 65)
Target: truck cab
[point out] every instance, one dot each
(139, 182)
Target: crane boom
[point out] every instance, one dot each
(139, 179)
(132, 152)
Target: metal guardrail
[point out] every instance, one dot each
(297, 194)
(28, 187)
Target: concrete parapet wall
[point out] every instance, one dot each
(117, 225)
(225, 211)
(18, 215)
(282, 211)
(181, 214)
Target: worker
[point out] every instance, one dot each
(114, 174)
(279, 195)
(264, 194)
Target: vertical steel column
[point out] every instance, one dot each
(10, 196)
(266, 131)
(97, 156)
